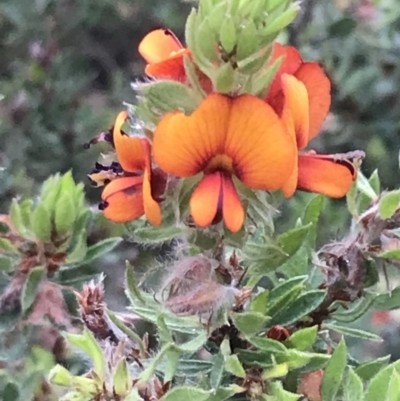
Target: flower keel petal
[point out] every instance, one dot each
(205, 199)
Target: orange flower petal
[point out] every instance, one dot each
(319, 97)
(205, 199)
(291, 184)
(183, 145)
(296, 106)
(262, 150)
(121, 184)
(151, 207)
(158, 45)
(290, 63)
(232, 208)
(129, 150)
(170, 68)
(323, 175)
(124, 199)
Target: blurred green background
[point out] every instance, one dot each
(66, 67)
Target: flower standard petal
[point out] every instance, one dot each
(158, 45)
(183, 145)
(290, 63)
(206, 199)
(129, 150)
(124, 199)
(325, 175)
(170, 68)
(296, 110)
(164, 54)
(291, 184)
(232, 209)
(319, 97)
(262, 150)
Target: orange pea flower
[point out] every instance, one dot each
(164, 54)
(300, 94)
(225, 137)
(134, 188)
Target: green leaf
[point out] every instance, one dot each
(368, 370)
(279, 370)
(311, 215)
(79, 251)
(7, 265)
(317, 361)
(303, 339)
(259, 303)
(65, 213)
(304, 304)
(172, 357)
(393, 393)
(358, 309)
(392, 254)
(162, 330)
(378, 387)
(292, 240)
(147, 374)
(388, 204)
(87, 343)
(375, 182)
(101, 248)
(121, 379)
(353, 389)
(247, 44)
(294, 358)
(194, 344)
(128, 332)
(60, 376)
(351, 332)
(16, 217)
(276, 389)
(225, 79)
(31, 287)
(156, 235)
(8, 246)
(252, 64)
(283, 302)
(224, 393)
(286, 286)
(334, 373)
(217, 370)
(41, 223)
(282, 20)
(389, 300)
(193, 76)
(186, 393)
(233, 366)
(131, 287)
(261, 82)
(256, 358)
(365, 187)
(267, 344)
(227, 34)
(167, 96)
(249, 322)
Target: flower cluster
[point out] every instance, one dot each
(229, 137)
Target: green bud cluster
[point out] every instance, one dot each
(111, 379)
(53, 224)
(231, 41)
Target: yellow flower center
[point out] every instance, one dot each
(220, 162)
